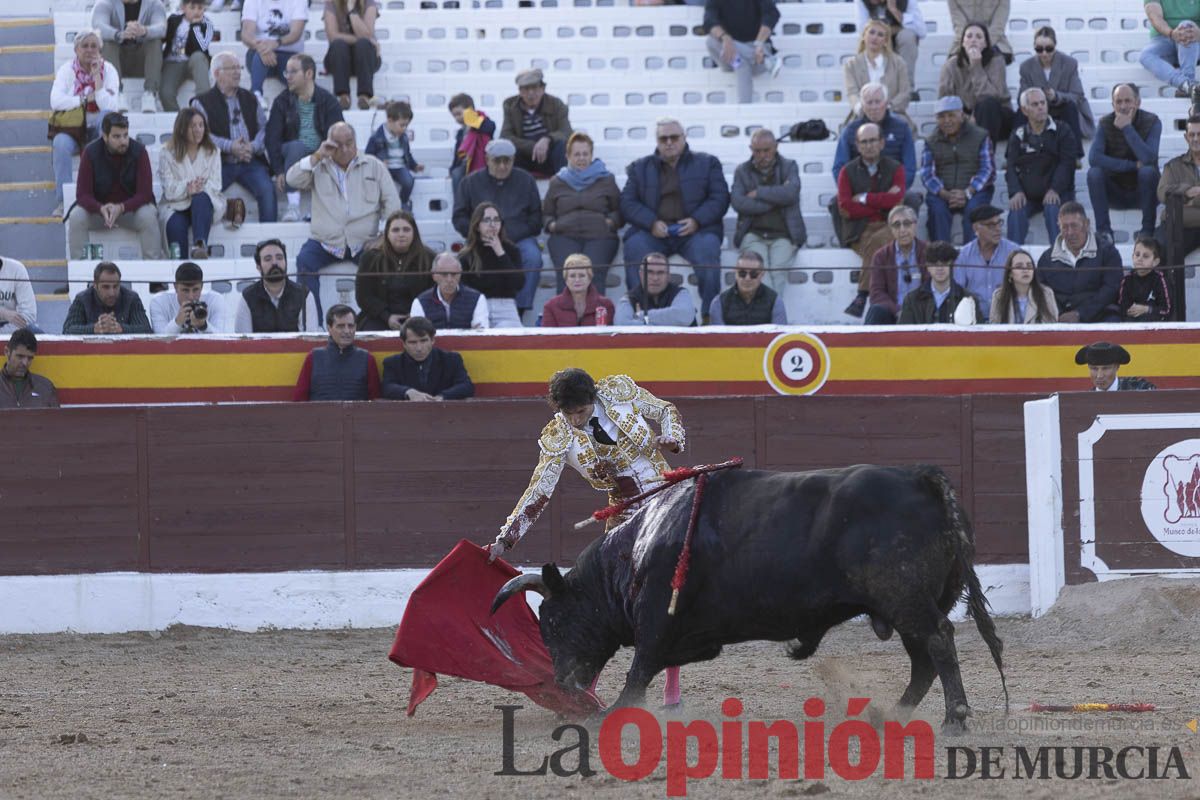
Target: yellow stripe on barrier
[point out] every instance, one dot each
(641, 364)
(982, 363)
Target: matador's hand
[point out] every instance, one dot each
(495, 550)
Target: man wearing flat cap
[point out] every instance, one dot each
(980, 265)
(1103, 359)
(515, 194)
(538, 124)
(957, 169)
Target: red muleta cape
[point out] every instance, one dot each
(448, 628)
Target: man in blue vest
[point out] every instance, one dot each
(449, 304)
(340, 370)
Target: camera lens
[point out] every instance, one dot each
(200, 311)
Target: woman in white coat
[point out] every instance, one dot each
(189, 171)
(86, 80)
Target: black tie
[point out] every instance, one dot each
(601, 435)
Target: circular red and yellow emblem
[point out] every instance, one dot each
(796, 363)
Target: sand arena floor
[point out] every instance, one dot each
(204, 713)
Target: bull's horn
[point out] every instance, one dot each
(521, 583)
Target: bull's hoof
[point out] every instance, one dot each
(801, 650)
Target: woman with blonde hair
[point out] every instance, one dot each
(1021, 298)
(88, 81)
(876, 63)
(582, 210)
(189, 171)
(579, 302)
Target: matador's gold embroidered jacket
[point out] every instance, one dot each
(635, 455)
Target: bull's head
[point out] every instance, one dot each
(573, 627)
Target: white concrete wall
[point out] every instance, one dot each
(117, 602)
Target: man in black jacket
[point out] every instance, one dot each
(106, 307)
(936, 300)
(1040, 170)
(422, 371)
(300, 120)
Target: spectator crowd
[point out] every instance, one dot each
(300, 150)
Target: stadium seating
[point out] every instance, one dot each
(621, 68)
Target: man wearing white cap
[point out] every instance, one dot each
(515, 194)
(537, 124)
(957, 169)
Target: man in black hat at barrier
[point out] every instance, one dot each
(1103, 359)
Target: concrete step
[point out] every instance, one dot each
(25, 91)
(52, 312)
(26, 30)
(33, 237)
(49, 275)
(22, 198)
(27, 59)
(23, 128)
(28, 163)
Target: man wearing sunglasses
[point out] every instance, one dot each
(896, 268)
(675, 200)
(748, 302)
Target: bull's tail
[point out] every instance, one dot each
(963, 538)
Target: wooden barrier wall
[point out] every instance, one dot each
(1121, 516)
(379, 485)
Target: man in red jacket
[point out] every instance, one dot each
(114, 189)
(869, 186)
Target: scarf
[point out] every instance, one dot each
(83, 82)
(474, 142)
(580, 179)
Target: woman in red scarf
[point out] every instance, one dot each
(86, 80)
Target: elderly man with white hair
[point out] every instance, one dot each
(351, 193)
(238, 126)
(898, 142)
(1040, 167)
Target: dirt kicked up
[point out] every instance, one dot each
(203, 713)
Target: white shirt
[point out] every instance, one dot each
(243, 323)
(16, 293)
(479, 317)
(164, 306)
(273, 18)
(875, 68)
(606, 423)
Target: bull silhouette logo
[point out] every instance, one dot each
(1171, 498)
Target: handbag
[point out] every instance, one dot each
(72, 122)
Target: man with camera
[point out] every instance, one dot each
(189, 309)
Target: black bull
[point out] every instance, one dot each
(777, 557)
